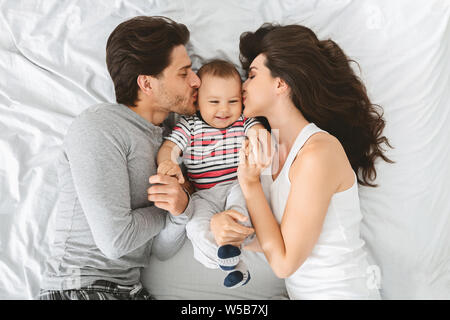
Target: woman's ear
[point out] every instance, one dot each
(144, 83)
(281, 86)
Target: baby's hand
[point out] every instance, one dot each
(170, 168)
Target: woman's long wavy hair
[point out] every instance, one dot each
(324, 88)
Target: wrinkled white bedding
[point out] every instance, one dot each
(52, 66)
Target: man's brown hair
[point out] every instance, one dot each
(141, 46)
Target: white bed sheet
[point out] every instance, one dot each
(52, 67)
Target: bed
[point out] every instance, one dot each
(52, 66)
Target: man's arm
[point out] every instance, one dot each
(167, 243)
(98, 162)
(169, 195)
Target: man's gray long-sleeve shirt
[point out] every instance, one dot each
(105, 224)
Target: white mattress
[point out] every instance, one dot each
(52, 66)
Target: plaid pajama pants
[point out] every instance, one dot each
(99, 290)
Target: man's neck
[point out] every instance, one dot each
(152, 115)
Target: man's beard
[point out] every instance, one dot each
(182, 105)
(178, 104)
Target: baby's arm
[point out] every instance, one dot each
(167, 160)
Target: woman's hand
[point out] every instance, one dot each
(254, 157)
(227, 230)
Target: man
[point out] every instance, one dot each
(107, 224)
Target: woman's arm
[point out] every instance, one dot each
(254, 246)
(313, 182)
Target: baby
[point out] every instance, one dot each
(209, 143)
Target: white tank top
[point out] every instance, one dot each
(337, 267)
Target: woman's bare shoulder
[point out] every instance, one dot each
(322, 146)
(322, 153)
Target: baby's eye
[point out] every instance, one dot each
(233, 101)
(214, 101)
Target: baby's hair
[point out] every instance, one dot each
(219, 68)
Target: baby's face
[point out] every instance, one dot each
(220, 100)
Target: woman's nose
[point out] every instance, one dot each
(244, 85)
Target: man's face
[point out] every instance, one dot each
(177, 87)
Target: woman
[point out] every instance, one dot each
(329, 135)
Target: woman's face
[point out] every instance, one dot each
(258, 89)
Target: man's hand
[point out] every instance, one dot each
(170, 168)
(167, 194)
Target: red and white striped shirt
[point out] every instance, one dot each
(211, 155)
